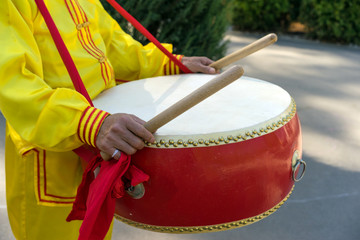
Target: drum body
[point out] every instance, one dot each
(226, 163)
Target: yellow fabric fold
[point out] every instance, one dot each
(46, 118)
(36, 94)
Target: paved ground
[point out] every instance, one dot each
(324, 80)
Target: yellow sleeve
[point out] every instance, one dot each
(54, 119)
(130, 59)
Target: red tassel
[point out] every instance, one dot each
(96, 198)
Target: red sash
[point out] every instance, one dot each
(96, 197)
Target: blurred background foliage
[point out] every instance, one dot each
(261, 15)
(337, 21)
(195, 28)
(334, 21)
(198, 27)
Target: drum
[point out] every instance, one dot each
(229, 161)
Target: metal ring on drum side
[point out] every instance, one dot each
(297, 162)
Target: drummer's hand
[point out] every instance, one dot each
(124, 132)
(199, 64)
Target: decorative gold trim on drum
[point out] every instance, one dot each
(204, 229)
(227, 137)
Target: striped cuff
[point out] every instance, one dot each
(171, 68)
(89, 125)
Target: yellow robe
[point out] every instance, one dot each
(46, 117)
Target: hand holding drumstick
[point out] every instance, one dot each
(124, 132)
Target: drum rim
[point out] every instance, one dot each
(142, 107)
(205, 228)
(220, 138)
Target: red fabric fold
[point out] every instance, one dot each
(96, 197)
(79, 206)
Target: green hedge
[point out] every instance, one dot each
(337, 21)
(262, 15)
(194, 27)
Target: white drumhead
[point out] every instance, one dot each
(245, 103)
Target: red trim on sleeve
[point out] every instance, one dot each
(89, 125)
(98, 127)
(86, 124)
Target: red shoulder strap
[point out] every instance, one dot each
(66, 57)
(64, 53)
(148, 35)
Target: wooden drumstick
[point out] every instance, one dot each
(200, 94)
(194, 98)
(245, 51)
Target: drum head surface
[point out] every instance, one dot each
(245, 103)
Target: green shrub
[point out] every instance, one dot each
(337, 21)
(294, 10)
(194, 27)
(262, 15)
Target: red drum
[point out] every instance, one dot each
(227, 162)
